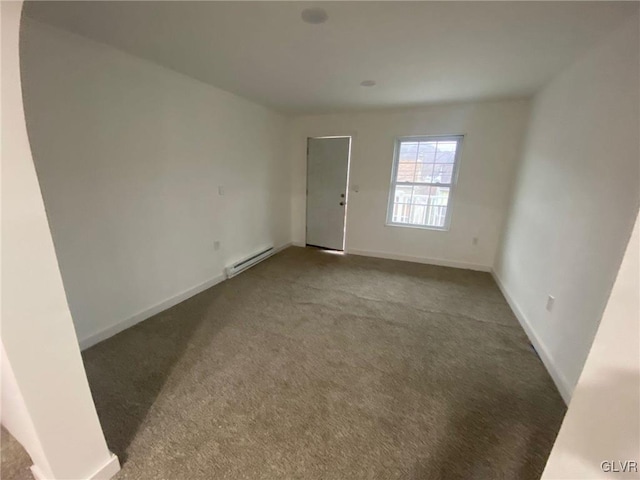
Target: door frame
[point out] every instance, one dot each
(346, 188)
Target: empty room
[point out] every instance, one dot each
(320, 240)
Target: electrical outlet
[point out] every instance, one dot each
(474, 241)
(221, 190)
(216, 245)
(550, 301)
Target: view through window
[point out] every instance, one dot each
(424, 173)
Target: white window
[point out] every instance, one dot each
(422, 182)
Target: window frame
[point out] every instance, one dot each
(452, 186)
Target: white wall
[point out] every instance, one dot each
(130, 156)
(16, 417)
(46, 400)
(575, 200)
(603, 418)
(493, 133)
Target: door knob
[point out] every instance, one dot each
(342, 203)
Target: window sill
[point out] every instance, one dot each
(418, 227)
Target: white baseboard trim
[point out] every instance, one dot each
(37, 473)
(556, 375)
(107, 471)
(148, 313)
(298, 244)
(425, 260)
(118, 327)
(281, 247)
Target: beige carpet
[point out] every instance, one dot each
(313, 365)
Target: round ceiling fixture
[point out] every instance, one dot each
(368, 83)
(314, 15)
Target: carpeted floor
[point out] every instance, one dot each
(313, 365)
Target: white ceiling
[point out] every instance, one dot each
(417, 52)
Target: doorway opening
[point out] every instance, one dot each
(328, 164)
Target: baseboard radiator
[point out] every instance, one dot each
(249, 262)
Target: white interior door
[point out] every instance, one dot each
(327, 167)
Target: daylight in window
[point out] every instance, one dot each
(423, 179)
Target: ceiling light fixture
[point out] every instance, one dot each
(314, 15)
(368, 83)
